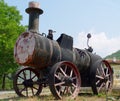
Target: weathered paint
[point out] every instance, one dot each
(24, 48)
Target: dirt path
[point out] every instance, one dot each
(11, 94)
(7, 94)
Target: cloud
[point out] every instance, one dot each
(101, 43)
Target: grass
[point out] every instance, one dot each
(83, 96)
(51, 98)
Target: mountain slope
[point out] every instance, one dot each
(114, 55)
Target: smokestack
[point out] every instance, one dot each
(34, 11)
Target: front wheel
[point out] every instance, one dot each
(64, 80)
(25, 82)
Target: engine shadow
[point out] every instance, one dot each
(86, 94)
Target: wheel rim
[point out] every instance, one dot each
(25, 83)
(103, 78)
(66, 82)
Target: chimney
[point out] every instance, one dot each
(34, 11)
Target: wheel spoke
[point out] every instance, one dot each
(59, 91)
(24, 75)
(65, 68)
(103, 84)
(34, 77)
(71, 90)
(35, 88)
(106, 71)
(108, 82)
(98, 71)
(65, 89)
(63, 72)
(100, 77)
(21, 77)
(32, 91)
(74, 78)
(107, 75)
(68, 90)
(57, 77)
(71, 73)
(103, 72)
(30, 74)
(58, 84)
(97, 82)
(26, 91)
(107, 85)
(22, 90)
(74, 85)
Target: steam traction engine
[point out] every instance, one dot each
(56, 63)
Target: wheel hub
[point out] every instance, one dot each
(105, 79)
(68, 81)
(28, 83)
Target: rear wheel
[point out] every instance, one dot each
(102, 80)
(64, 80)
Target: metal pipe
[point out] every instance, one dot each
(34, 11)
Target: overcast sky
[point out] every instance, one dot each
(76, 18)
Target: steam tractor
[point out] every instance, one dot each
(55, 63)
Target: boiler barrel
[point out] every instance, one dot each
(35, 50)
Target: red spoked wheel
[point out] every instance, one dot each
(103, 78)
(64, 80)
(25, 82)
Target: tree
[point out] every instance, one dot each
(10, 29)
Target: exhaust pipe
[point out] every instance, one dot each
(34, 11)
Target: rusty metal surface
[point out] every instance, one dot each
(24, 48)
(33, 50)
